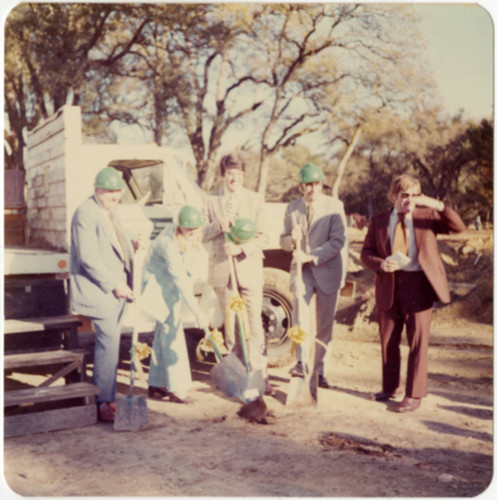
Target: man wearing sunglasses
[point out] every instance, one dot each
(401, 247)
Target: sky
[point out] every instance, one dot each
(461, 47)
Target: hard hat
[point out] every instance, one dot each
(109, 178)
(242, 230)
(190, 218)
(310, 173)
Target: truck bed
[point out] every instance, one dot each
(23, 260)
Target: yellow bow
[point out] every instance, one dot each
(237, 304)
(142, 350)
(297, 336)
(205, 344)
(217, 338)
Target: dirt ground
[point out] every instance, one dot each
(347, 446)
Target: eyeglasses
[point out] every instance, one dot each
(405, 195)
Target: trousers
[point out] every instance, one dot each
(170, 366)
(412, 308)
(106, 356)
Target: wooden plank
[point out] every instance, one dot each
(71, 367)
(52, 393)
(51, 420)
(13, 361)
(40, 324)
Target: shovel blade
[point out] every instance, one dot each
(255, 386)
(131, 413)
(230, 376)
(302, 391)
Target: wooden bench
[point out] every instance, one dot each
(65, 326)
(26, 409)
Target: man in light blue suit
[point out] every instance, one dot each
(167, 284)
(314, 230)
(101, 271)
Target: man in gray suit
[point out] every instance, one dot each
(314, 230)
(223, 208)
(101, 270)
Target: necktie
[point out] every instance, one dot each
(400, 236)
(123, 244)
(310, 214)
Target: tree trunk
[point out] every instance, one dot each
(344, 160)
(263, 174)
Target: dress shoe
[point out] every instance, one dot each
(408, 404)
(187, 400)
(322, 382)
(385, 395)
(106, 412)
(157, 392)
(297, 370)
(269, 389)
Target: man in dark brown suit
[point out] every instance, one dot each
(401, 247)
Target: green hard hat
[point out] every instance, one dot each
(310, 173)
(242, 230)
(190, 218)
(109, 178)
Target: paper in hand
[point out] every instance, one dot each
(401, 259)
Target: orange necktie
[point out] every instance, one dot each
(400, 236)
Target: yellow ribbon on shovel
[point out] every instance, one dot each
(205, 344)
(237, 306)
(142, 351)
(297, 336)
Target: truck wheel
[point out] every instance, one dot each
(276, 316)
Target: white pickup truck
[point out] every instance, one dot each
(60, 170)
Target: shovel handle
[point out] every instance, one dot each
(138, 262)
(215, 347)
(299, 298)
(234, 282)
(243, 344)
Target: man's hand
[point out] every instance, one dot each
(123, 291)
(301, 257)
(426, 201)
(140, 243)
(201, 320)
(297, 234)
(389, 266)
(226, 223)
(231, 249)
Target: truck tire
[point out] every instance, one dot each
(276, 316)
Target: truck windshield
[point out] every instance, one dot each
(140, 181)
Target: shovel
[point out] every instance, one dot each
(131, 410)
(254, 380)
(231, 376)
(302, 390)
(229, 373)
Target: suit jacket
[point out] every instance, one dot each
(325, 240)
(427, 224)
(249, 263)
(166, 279)
(98, 262)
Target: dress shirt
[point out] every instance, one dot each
(231, 203)
(412, 249)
